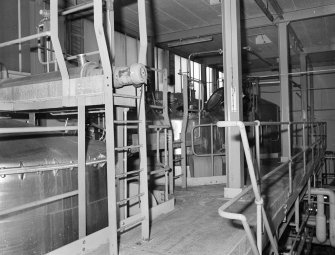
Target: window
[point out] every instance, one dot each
(209, 81)
(221, 79)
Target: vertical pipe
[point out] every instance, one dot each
(171, 175)
(157, 145)
(289, 158)
(321, 220)
(309, 192)
(19, 33)
(259, 228)
(212, 150)
(166, 163)
(258, 156)
(165, 148)
(304, 146)
(296, 215)
(81, 167)
(183, 132)
(48, 54)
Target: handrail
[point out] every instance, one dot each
(257, 248)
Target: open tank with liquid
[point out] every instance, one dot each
(40, 229)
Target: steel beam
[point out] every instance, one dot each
(277, 8)
(211, 30)
(231, 40)
(284, 87)
(265, 10)
(319, 49)
(316, 12)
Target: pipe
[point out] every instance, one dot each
(77, 8)
(195, 54)
(321, 218)
(249, 50)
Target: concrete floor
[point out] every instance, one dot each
(194, 227)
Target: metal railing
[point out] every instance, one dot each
(316, 144)
(328, 171)
(212, 154)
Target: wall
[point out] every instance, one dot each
(324, 103)
(9, 31)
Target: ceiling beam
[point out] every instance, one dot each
(277, 8)
(264, 9)
(248, 23)
(319, 49)
(309, 13)
(211, 30)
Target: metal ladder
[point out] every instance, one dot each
(167, 166)
(111, 122)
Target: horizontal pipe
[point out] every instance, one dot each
(77, 8)
(86, 54)
(24, 39)
(23, 130)
(243, 219)
(38, 203)
(39, 169)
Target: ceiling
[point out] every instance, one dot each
(175, 20)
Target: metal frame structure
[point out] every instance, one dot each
(187, 180)
(111, 232)
(317, 149)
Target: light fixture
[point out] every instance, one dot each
(262, 39)
(188, 41)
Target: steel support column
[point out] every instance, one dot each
(284, 87)
(231, 38)
(303, 83)
(203, 80)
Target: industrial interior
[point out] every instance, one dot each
(167, 127)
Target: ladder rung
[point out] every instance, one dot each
(130, 222)
(157, 171)
(177, 160)
(128, 173)
(156, 107)
(126, 96)
(177, 176)
(127, 121)
(127, 147)
(124, 201)
(159, 126)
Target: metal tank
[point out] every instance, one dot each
(44, 228)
